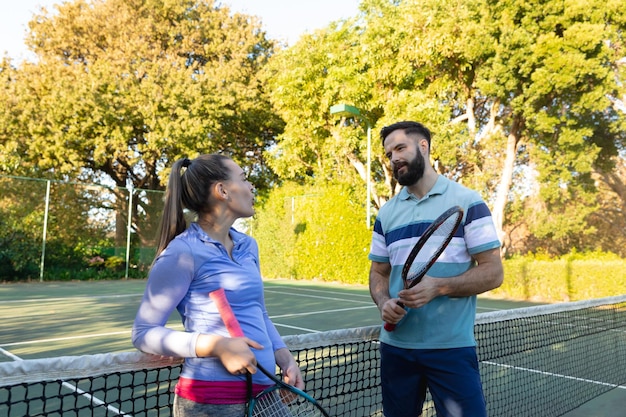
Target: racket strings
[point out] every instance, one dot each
(432, 247)
(283, 403)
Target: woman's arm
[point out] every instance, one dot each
(291, 369)
(166, 287)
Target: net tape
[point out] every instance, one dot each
(544, 360)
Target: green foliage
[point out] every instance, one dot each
(508, 88)
(122, 88)
(313, 232)
(114, 262)
(597, 278)
(20, 255)
(303, 82)
(80, 239)
(21, 227)
(521, 96)
(572, 277)
(536, 280)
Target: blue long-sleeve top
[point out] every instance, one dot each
(182, 277)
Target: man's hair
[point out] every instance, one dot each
(408, 127)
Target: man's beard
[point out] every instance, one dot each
(414, 172)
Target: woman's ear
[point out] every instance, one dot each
(220, 191)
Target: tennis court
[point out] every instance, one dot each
(79, 318)
(49, 320)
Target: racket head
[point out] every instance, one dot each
(283, 400)
(428, 248)
(431, 245)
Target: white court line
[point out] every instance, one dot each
(297, 328)
(60, 339)
(282, 316)
(536, 371)
(84, 336)
(287, 287)
(81, 297)
(74, 388)
(369, 299)
(370, 304)
(10, 355)
(488, 308)
(320, 297)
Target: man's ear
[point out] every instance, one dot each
(423, 146)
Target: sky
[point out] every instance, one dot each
(282, 19)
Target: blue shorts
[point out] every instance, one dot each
(451, 376)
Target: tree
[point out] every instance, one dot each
(339, 64)
(507, 87)
(531, 82)
(122, 88)
(552, 76)
(303, 82)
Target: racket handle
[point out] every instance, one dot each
(390, 327)
(226, 312)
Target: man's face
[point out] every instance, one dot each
(407, 162)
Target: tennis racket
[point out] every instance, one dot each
(428, 248)
(279, 400)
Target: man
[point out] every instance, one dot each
(433, 346)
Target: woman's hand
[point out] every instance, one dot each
(291, 371)
(234, 352)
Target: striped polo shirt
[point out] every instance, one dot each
(445, 322)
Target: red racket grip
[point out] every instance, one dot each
(226, 312)
(391, 327)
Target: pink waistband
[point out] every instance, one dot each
(215, 392)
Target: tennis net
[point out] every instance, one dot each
(544, 360)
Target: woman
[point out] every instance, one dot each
(189, 264)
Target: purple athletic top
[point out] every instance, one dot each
(182, 277)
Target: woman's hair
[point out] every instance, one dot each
(188, 188)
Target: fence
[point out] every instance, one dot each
(54, 230)
(61, 230)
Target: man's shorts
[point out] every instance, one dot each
(451, 376)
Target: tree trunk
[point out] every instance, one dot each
(506, 179)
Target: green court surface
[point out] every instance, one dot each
(52, 319)
(77, 318)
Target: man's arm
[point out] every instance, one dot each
(486, 275)
(390, 311)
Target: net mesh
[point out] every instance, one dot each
(534, 361)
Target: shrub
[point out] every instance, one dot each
(315, 232)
